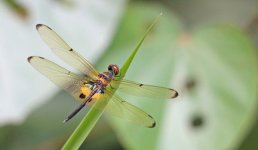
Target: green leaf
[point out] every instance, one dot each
(89, 121)
(129, 60)
(214, 69)
(150, 66)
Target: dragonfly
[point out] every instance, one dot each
(91, 85)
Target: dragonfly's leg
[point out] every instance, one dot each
(111, 86)
(118, 75)
(102, 90)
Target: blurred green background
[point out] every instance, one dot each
(206, 50)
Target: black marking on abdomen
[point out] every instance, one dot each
(71, 49)
(140, 85)
(82, 96)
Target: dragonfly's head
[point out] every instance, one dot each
(113, 68)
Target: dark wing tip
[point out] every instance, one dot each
(29, 58)
(175, 93)
(38, 26)
(41, 25)
(153, 125)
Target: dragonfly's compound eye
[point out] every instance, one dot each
(110, 68)
(115, 69)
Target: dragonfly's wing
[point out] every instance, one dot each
(65, 79)
(119, 108)
(144, 90)
(65, 52)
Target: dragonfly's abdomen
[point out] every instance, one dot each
(85, 91)
(100, 84)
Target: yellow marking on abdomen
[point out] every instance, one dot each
(86, 91)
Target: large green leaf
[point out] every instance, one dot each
(214, 69)
(153, 64)
(84, 128)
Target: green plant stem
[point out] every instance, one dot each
(82, 131)
(126, 65)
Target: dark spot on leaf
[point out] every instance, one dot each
(197, 121)
(190, 84)
(140, 85)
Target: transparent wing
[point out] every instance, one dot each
(65, 52)
(120, 108)
(144, 90)
(65, 79)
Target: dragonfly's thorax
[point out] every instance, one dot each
(98, 85)
(105, 77)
